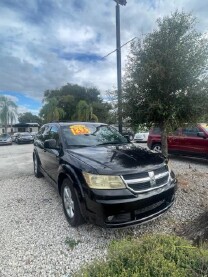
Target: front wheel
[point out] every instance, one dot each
(71, 204)
(157, 147)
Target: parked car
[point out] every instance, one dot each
(189, 140)
(101, 177)
(5, 139)
(24, 138)
(141, 137)
(33, 134)
(14, 136)
(126, 132)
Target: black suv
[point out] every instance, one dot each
(101, 176)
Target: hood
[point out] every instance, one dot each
(4, 139)
(29, 136)
(116, 159)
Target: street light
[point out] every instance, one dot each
(121, 2)
(118, 50)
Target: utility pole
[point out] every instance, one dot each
(118, 50)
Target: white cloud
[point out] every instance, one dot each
(13, 98)
(24, 109)
(38, 41)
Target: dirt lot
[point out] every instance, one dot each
(16, 160)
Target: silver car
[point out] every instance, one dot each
(141, 137)
(5, 139)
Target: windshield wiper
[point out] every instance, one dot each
(109, 143)
(78, 145)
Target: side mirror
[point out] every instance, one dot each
(50, 144)
(201, 135)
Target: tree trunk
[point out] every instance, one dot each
(164, 140)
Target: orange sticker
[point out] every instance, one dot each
(79, 130)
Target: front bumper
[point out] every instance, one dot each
(5, 142)
(123, 208)
(25, 141)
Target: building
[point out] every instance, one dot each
(20, 127)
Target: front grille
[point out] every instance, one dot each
(146, 181)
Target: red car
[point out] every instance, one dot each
(190, 140)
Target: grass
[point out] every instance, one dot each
(151, 256)
(72, 243)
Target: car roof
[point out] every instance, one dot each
(75, 123)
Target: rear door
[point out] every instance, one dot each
(52, 156)
(39, 142)
(174, 141)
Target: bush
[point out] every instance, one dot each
(155, 256)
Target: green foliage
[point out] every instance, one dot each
(154, 256)
(69, 98)
(8, 111)
(29, 117)
(84, 112)
(51, 112)
(72, 243)
(166, 82)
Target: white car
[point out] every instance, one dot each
(141, 137)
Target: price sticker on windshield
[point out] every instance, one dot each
(79, 130)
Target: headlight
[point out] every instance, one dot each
(103, 181)
(172, 174)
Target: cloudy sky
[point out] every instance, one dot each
(48, 43)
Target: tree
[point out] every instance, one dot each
(8, 111)
(51, 112)
(29, 118)
(84, 112)
(69, 96)
(166, 80)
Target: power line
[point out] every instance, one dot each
(102, 58)
(116, 49)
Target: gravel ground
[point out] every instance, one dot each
(37, 241)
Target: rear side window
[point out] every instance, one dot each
(40, 133)
(190, 131)
(43, 133)
(54, 134)
(156, 131)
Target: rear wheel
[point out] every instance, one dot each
(157, 147)
(36, 164)
(71, 204)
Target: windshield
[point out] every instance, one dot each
(91, 135)
(205, 126)
(4, 136)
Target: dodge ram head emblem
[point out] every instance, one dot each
(152, 178)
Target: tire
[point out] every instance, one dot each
(36, 165)
(157, 147)
(71, 204)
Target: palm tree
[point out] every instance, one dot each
(51, 112)
(8, 111)
(84, 112)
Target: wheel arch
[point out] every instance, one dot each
(67, 172)
(77, 188)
